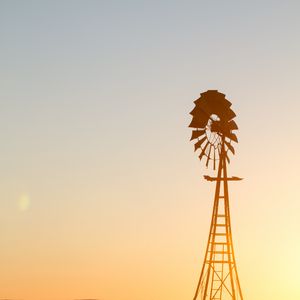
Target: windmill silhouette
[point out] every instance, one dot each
(213, 129)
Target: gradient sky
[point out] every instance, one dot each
(101, 193)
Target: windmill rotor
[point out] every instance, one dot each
(213, 126)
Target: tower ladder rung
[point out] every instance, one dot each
(219, 262)
(220, 252)
(219, 243)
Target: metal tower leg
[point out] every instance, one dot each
(219, 278)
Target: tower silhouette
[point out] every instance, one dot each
(214, 125)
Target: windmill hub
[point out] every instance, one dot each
(216, 126)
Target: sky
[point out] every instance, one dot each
(101, 195)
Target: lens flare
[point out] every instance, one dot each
(23, 202)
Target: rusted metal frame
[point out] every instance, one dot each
(233, 256)
(212, 278)
(214, 222)
(202, 283)
(223, 280)
(211, 237)
(227, 213)
(223, 283)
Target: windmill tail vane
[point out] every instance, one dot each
(213, 127)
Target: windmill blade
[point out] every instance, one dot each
(211, 93)
(232, 125)
(196, 134)
(207, 161)
(214, 158)
(199, 120)
(199, 143)
(208, 155)
(229, 115)
(214, 104)
(227, 158)
(232, 136)
(230, 147)
(203, 150)
(215, 98)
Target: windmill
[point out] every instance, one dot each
(213, 127)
